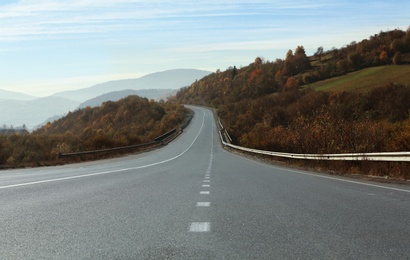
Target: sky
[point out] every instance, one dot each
(48, 46)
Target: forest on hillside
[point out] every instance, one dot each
(269, 105)
(129, 121)
(262, 77)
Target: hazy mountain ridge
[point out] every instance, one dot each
(5, 95)
(170, 79)
(21, 109)
(32, 112)
(155, 94)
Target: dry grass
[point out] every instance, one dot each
(366, 79)
(378, 171)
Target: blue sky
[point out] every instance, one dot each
(49, 46)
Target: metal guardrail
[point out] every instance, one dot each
(382, 156)
(109, 149)
(187, 121)
(165, 136)
(160, 140)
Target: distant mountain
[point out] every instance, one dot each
(170, 79)
(155, 94)
(18, 109)
(33, 112)
(4, 94)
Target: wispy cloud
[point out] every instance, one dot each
(27, 19)
(110, 37)
(74, 19)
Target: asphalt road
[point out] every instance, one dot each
(194, 200)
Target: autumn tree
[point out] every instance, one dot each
(292, 84)
(258, 61)
(289, 68)
(397, 58)
(301, 61)
(319, 53)
(398, 45)
(355, 60)
(342, 66)
(384, 57)
(234, 72)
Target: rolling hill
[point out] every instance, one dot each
(4, 94)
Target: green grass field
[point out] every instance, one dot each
(366, 79)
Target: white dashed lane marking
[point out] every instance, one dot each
(200, 227)
(204, 226)
(203, 204)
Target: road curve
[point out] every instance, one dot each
(193, 200)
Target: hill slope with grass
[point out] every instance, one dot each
(366, 79)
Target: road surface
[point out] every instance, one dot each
(193, 200)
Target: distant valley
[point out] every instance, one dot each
(32, 112)
(21, 109)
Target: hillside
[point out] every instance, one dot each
(170, 79)
(263, 97)
(263, 105)
(129, 121)
(366, 79)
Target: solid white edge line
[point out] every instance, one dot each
(355, 182)
(320, 176)
(106, 172)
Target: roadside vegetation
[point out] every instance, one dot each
(350, 100)
(129, 121)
